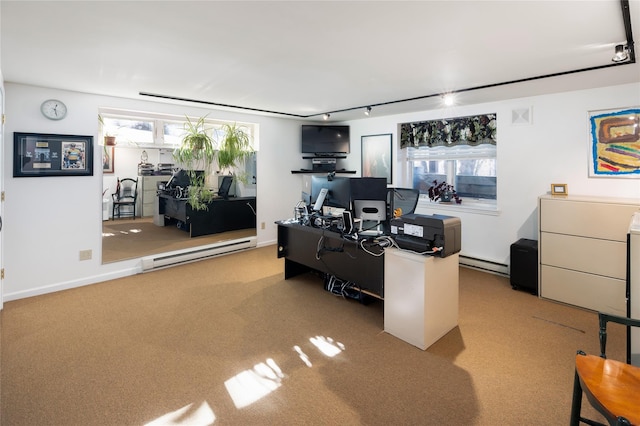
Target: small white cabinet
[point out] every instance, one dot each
(420, 296)
(583, 251)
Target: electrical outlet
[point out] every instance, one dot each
(261, 225)
(85, 254)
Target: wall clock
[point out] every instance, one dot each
(53, 109)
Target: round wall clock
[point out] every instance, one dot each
(53, 109)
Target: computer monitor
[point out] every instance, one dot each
(368, 188)
(223, 191)
(338, 191)
(183, 178)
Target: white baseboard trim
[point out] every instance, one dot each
(68, 285)
(484, 265)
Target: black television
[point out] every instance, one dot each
(325, 140)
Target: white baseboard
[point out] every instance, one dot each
(484, 265)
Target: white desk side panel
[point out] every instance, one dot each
(421, 296)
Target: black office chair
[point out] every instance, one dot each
(612, 387)
(402, 201)
(126, 196)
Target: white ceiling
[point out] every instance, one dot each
(310, 57)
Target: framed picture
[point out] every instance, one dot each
(376, 156)
(559, 189)
(614, 143)
(108, 153)
(36, 155)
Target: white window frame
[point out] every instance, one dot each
(479, 205)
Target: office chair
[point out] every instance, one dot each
(402, 201)
(126, 196)
(612, 387)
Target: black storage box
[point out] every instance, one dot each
(524, 265)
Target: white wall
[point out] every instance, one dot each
(49, 220)
(553, 149)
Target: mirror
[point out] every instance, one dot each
(152, 232)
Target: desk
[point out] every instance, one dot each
(299, 245)
(222, 214)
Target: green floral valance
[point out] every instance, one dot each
(472, 130)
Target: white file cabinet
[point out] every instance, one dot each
(420, 296)
(147, 191)
(583, 245)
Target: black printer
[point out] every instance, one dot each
(423, 233)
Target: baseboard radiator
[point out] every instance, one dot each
(484, 265)
(178, 257)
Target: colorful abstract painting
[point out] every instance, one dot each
(615, 143)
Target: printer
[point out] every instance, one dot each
(423, 233)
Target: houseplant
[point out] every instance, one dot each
(109, 139)
(197, 153)
(233, 149)
(443, 192)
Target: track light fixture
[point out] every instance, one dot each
(326, 116)
(622, 53)
(367, 112)
(448, 99)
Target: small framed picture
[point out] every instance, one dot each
(559, 189)
(108, 153)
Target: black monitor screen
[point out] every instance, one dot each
(369, 188)
(223, 191)
(181, 178)
(339, 194)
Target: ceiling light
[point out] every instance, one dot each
(448, 99)
(326, 116)
(367, 112)
(622, 53)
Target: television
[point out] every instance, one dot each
(325, 140)
(339, 191)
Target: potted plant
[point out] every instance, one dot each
(197, 153)
(443, 192)
(109, 139)
(233, 149)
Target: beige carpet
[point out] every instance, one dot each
(229, 340)
(129, 238)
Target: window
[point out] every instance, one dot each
(460, 151)
(140, 129)
(471, 171)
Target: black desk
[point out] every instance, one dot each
(305, 247)
(222, 214)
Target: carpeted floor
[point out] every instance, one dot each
(228, 341)
(131, 238)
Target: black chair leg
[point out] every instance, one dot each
(576, 404)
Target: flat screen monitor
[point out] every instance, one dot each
(339, 191)
(181, 178)
(223, 191)
(324, 140)
(368, 188)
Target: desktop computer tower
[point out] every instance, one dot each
(524, 265)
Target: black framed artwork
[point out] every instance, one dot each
(376, 156)
(38, 154)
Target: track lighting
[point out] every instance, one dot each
(622, 53)
(367, 112)
(448, 99)
(326, 116)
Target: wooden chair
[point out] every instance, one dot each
(611, 387)
(126, 196)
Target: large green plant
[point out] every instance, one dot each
(197, 152)
(233, 149)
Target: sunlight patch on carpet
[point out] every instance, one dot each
(249, 386)
(201, 415)
(327, 345)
